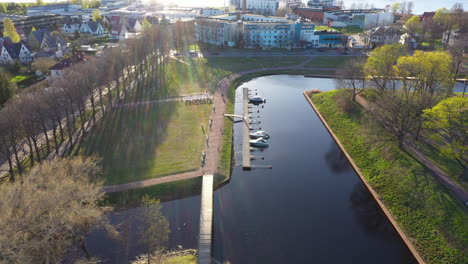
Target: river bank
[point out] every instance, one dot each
(422, 211)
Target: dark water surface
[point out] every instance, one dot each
(310, 208)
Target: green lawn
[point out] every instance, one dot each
(436, 222)
(182, 260)
(329, 62)
(149, 141)
(20, 78)
(161, 139)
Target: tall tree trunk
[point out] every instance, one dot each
(31, 150)
(44, 131)
(36, 148)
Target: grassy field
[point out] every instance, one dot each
(182, 260)
(426, 211)
(149, 141)
(329, 62)
(19, 78)
(160, 139)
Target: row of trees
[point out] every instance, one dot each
(35, 124)
(432, 29)
(406, 85)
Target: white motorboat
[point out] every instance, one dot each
(259, 143)
(256, 100)
(259, 134)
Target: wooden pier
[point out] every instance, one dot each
(206, 221)
(246, 161)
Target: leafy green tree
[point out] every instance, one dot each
(3, 8)
(10, 30)
(97, 15)
(5, 89)
(413, 25)
(379, 65)
(77, 34)
(449, 119)
(395, 7)
(146, 25)
(156, 228)
(39, 2)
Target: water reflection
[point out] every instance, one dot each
(368, 213)
(336, 159)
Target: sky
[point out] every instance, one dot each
(420, 6)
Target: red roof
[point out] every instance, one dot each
(65, 63)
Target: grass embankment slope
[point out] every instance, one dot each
(329, 62)
(436, 223)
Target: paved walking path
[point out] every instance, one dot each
(439, 174)
(153, 181)
(212, 147)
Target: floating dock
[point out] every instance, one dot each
(206, 221)
(246, 161)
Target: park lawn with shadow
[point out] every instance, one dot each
(149, 141)
(435, 221)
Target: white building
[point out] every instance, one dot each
(264, 7)
(217, 32)
(59, 9)
(268, 35)
(364, 18)
(211, 11)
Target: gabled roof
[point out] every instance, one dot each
(53, 41)
(131, 22)
(40, 34)
(94, 26)
(117, 28)
(114, 19)
(65, 63)
(13, 49)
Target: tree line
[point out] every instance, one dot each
(411, 92)
(37, 123)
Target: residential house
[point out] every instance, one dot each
(407, 40)
(9, 52)
(453, 35)
(96, 28)
(382, 36)
(42, 40)
(118, 31)
(133, 25)
(70, 28)
(57, 70)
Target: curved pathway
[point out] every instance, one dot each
(215, 134)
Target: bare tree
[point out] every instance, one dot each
(351, 75)
(49, 211)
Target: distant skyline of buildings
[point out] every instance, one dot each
(420, 6)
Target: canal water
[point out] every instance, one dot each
(310, 208)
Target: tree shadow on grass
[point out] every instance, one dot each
(127, 140)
